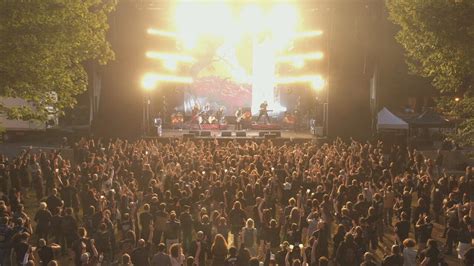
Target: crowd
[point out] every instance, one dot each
(228, 203)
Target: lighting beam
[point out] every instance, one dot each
(172, 57)
(308, 34)
(163, 33)
(292, 58)
(316, 81)
(156, 77)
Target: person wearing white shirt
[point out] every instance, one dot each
(409, 252)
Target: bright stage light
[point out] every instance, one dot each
(197, 19)
(170, 64)
(251, 19)
(308, 34)
(298, 63)
(174, 79)
(283, 22)
(316, 82)
(163, 33)
(172, 57)
(149, 81)
(292, 58)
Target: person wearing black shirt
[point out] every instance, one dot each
(431, 256)
(237, 219)
(46, 252)
(141, 254)
(394, 259)
(424, 228)
(43, 221)
(53, 201)
(22, 248)
(199, 249)
(5, 236)
(68, 229)
(402, 228)
(83, 244)
(146, 218)
(187, 227)
(173, 230)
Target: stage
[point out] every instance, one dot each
(279, 135)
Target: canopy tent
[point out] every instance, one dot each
(430, 119)
(387, 120)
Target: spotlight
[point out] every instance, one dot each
(318, 83)
(149, 81)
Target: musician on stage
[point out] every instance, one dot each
(220, 117)
(197, 115)
(239, 116)
(206, 113)
(264, 112)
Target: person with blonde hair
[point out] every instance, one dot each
(249, 237)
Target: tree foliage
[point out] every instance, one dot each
(438, 38)
(44, 47)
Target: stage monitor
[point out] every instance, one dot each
(205, 133)
(226, 134)
(240, 134)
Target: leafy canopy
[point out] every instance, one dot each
(44, 46)
(438, 38)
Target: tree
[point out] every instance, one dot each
(44, 47)
(438, 38)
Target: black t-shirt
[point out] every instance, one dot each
(186, 221)
(425, 232)
(43, 218)
(393, 260)
(433, 255)
(237, 218)
(145, 220)
(140, 256)
(403, 228)
(46, 255)
(20, 249)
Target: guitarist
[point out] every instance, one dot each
(239, 115)
(264, 112)
(197, 115)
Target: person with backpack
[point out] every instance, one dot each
(249, 237)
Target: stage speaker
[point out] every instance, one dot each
(270, 136)
(226, 134)
(276, 133)
(262, 133)
(240, 134)
(205, 133)
(188, 136)
(195, 132)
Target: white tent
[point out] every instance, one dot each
(387, 120)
